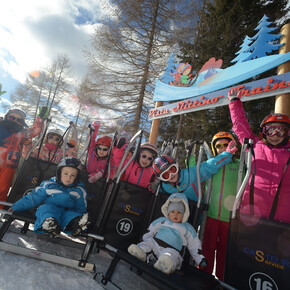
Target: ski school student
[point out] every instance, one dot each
(169, 236)
(61, 201)
(98, 155)
(13, 133)
(51, 150)
(222, 196)
(140, 171)
(269, 182)
(173, 179)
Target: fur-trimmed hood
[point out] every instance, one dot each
(176, 197)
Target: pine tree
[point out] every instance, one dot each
(264, 42)
(243, 53)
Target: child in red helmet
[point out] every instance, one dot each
(140, 170)
(98, 155)
(269, 179)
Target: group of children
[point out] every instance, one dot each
(63, 199)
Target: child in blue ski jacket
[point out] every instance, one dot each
(62, 200)
(173, 179)
(169, 236)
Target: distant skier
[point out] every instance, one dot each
(169, 236)
(61, 201)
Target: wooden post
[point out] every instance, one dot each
(155, 126)
(282, 102)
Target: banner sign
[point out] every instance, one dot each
(267, 87)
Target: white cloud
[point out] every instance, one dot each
(33, 33)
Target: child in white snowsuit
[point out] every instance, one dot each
(169, 236)
(62, 200)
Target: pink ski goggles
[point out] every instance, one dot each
(280, 131)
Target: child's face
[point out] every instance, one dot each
(53, 139)
(102, 150)
(175, 216)
(221, 145)
(275, 139)
(68, 175)
(146, 158)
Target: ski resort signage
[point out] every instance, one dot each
(267, 87)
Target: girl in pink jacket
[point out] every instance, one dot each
(98, 155)
(140, 171)
(270, 161)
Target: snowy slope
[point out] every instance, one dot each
(19, 272)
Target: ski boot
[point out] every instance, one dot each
(137, 252)
(164, 264)
(78, 224)
(51, 226)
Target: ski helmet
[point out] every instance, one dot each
(216, 137)
(275, 118)
(104, 140)
(149, 146)
(54, 131)
(17, 111)
(162, 163)
(69, 162)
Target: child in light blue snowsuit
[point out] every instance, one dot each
(63, 200)
(169, 236)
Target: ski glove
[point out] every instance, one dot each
(71, 143)
(96, 125)
(95, 177)
(43, 112)
(203, 263)
(122, 141)
(232, 148)
(234, 94)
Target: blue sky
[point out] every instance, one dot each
(34, 32)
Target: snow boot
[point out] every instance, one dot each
(78, 224)
(51, 226)
(164, 264)
(137, 252)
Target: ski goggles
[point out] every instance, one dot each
(103, 149)
(218, 146)
(166, 175)
(13, 118)
(53, 137)
(144, 156)
(280, 131)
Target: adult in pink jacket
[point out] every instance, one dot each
(272, 155)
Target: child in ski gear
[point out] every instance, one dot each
(63, 201)
(222, 196)
(51, 151)
(173, 179)
(140, 170)
(98, 155)
(270, 162)
(168, 237)
(13, 133)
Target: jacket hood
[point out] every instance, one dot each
(177, 197)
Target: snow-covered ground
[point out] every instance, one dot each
(19, 272)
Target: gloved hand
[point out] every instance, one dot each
(96, 124)
(234, 94)
(121, 142)
(232, 148)
(43, 112)
(95, 177)
(203, 263)
(71, 143)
